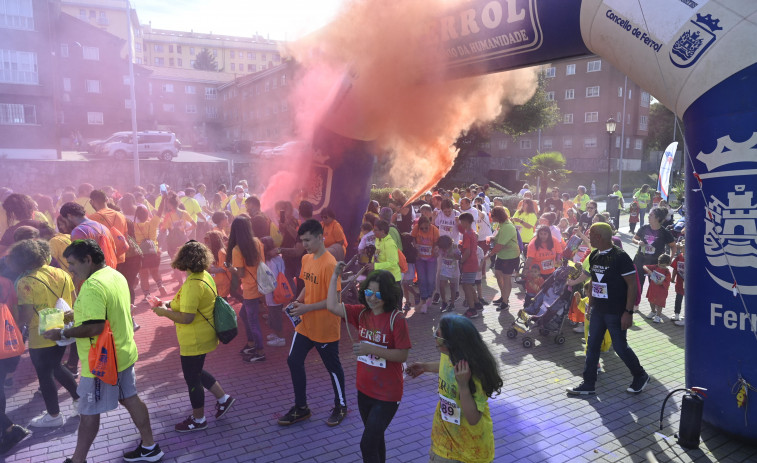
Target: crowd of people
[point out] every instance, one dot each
(90, 251)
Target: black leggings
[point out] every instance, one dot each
(679, 299)
(46, 362)
(7, 366)
(196, 378)
(376, 415)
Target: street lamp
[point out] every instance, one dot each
(610, 126)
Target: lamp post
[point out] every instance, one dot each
(610, 126)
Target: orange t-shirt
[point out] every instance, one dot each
(222, 279)
(333, 233)
(249, 280)
(112, 219)
(318, 325)
(425, 242)
(543, 257)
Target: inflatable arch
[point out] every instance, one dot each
(699, 58)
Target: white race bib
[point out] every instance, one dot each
(649, 249)
(424, 250)
(449, 410)
(680, 267)
(599, 290)
(373, 360)
(547, 265)
(657, 277)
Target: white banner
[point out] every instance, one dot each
(666, 165)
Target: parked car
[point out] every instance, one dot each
(98, 146)
(151, 144)
(259, 146)
(290, 148)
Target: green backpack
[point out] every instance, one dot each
(224, 318)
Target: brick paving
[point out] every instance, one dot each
(534, 420)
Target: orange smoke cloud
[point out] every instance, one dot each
(374, 73)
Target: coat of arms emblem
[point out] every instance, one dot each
(694, 41)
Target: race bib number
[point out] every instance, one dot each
(657, 277)
(373, 360)
(649, 249)
(424, 250)
(447, 228)
(547, 265)
(599, 290)
(449, 410)
(680, 267)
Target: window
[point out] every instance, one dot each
(92, 14)
(645, 99)
(211, 112)
(262, 57)
(231, 54)
(168, 107)
(210, 93)
(160, 62)
(567, 119)
(592, 92)
(283, 79)
(250, 55)
(637, 144)
(66, 84)
(137, 46)
(170, 62)
(170, 49)
(17, 14)
(502, 144)
(82, 14)
(18, 67)
(167, 88)
(91, 53)
(630, 92)
(628, 142)
(549, 72)
(617, 142)
(267, 85)
(64, 50)
(93, 86)
(94, 118)
(570, 69)
(17, 114)
(591, 117)
(178, 49)
(233, 67)
(590, 142)
(276, 57)
(215, 52)
(618, 118)
(103, 19)
(547, 143)
(138, 60)
(191, 109)
(620, 92)
(550, 96)
(191, 51)
(179, 62)
(525, 144)
(190, 89)
(251, 67)
(594, 66)
(643, 120)
(157, 48)
(192, 63)
(567, 142)
(570, 94)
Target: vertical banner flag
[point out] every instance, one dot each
(666, 165)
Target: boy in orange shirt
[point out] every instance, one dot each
(318, 327)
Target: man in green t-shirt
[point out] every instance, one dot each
(104, 296)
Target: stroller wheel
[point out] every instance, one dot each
(511, 333)
(528, 342)
(559, 339)
(543, 332)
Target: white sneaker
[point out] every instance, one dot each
(579, 328)
(47, 421)
(676, 317)
(652, 314)
(657, 319)
(271, 337)
(679, 322)
(74, 409)
(278, 342)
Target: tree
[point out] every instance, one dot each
(661, 129)
(537, 113)
(205, 61)
(548, 168)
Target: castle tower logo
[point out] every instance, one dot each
(694, 40)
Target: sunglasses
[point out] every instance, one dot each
(439, 340)
(368, 293)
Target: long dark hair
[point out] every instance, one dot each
(539, 242)
(390, 291)
(527, 206)
(464, 342)
(241, 235)
(215, 243)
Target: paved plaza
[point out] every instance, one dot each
(534, 419)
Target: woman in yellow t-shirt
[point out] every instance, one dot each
(39, 288)
(525, 220)
(191, 310)
(146, 236)
(468, 376)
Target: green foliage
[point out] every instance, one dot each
(470, 140)
(537, 113)
(205, 61)
(549, 168)
(661, 129)
(679, 190)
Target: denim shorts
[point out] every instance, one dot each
(99, 397)
(467, 278)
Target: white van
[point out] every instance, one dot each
(151, 144)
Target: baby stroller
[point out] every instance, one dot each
(547, 312)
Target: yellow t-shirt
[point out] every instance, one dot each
(105, 296)
(318, 325)
(199, 298)
(147, 230)
(84, 201)
(526, 233)
(58, 244)
(31, 290)
(463, 442)
(41, 217)
(191, 206)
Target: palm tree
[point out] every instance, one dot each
(548, 168)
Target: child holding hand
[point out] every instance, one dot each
(657, 293)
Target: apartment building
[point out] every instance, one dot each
(588, 91)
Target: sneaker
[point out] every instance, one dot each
(465, 303)
(472, 313)
(582, 389)
(13, 437)
(190, 425)
(254, 357)
(679, 322)
(676, 317)
(337, 415)
(657, 319)
(247, 350)
(498, 301)
(482, 301)
(436, 299)
(652, 314)
(638, 384)
(502, 306)
(457, 295)
(449, 307)
(277, 342)
(142, 454)
(271, 337)
(295, 415)
(74, 408)
(579, 328)
(47, 421)
(136, 325)
(222, 408)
